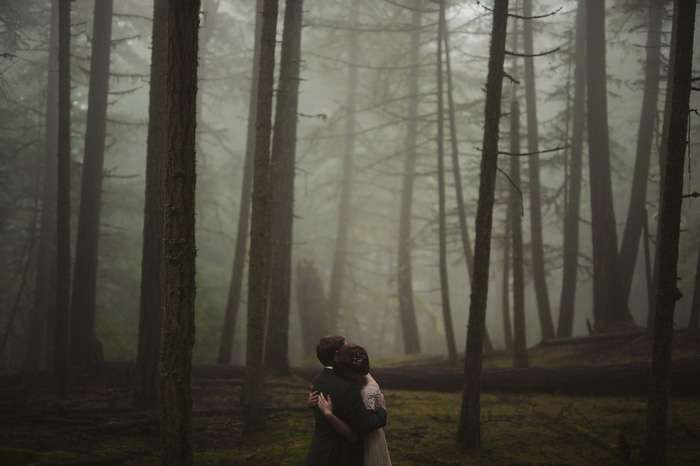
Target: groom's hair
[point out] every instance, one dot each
(327, 347)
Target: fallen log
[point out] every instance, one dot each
(615, 380)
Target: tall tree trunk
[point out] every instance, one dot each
(609, 307)
(567, 300)
(179, 247)
(444, 280)
(663, 148)
(520, 356)
(228, 328)
(45, 287)
(282, 191)
(146, 379)
(654, 446)
(462, 216)
(83, 342)
(407, 312)
(638, 194)
(63, 200)
(538, 272)
(505, 291)
(457, 174)
(259, 269)
(469, 431)
(335, 292)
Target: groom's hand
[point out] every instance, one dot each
(313, 398)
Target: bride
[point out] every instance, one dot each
(352, 362)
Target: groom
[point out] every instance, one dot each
(328, 448)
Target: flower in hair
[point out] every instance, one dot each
(359, 359)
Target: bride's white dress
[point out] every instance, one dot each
(376, 451)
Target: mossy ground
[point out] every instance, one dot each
(517, 429)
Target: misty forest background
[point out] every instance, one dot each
(376, 61)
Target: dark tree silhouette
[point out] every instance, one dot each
(444, 279)
(146, 378)
(335, 291)
(407, 313)
(282, 170)
(179, 248)
(469, 430)
(40, 337)
(234, 291)
(636, 214)
(84, 347)
(63, 200)
(520, 356)
(258, 272)
(694, 320)
(609, 307)
(567, 300)
(538, 272)
(654, 446)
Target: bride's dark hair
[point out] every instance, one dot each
(351, 358)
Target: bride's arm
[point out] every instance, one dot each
(343, 429)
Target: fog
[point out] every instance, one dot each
(369, 303)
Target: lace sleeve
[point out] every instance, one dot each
(371, 396)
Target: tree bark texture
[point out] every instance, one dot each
(608, 306)
(335, 292)
(538, 271)
(442, 229)
(179, 248)
(654, 449)
(520, 356)
(567, 302)
(63, 200)
(407, 312)
(45, 287)
(147, 377)
(228, 328)
(638, 195)
(469, 432)
(83, 342)
(282, 170)
(259, 264)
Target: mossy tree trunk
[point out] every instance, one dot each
(63, 200)
(179, 248)
(654, 446)
(282, 170)
(147, 375)
(228, 329)
(83, 342)
(567, 300)
(469, 430)
(39, 337)
(259, 264)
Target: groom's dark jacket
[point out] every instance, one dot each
(328, 448)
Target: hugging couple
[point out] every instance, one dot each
(349, 409)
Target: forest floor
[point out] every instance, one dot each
(97, 426)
